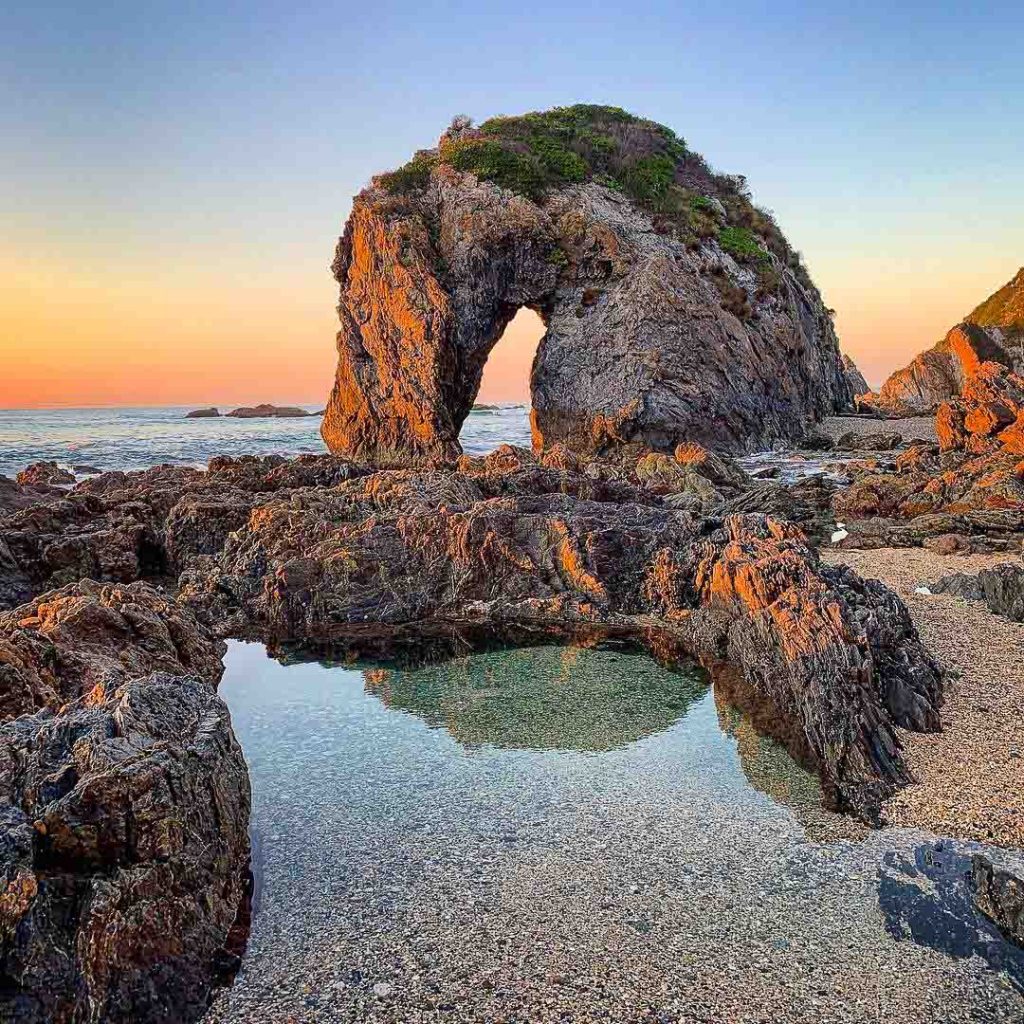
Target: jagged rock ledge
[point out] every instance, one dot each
(124, 808)
(514, 547)
(316, 548)
(966, 493)
(117, 760)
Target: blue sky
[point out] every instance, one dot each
(180, 145)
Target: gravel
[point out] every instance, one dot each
(412, 870)
(920, 427)
(969, 775)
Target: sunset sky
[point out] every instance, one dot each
(173, 176)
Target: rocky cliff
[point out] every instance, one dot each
(675, 309)
(854, 378)
(991, 333)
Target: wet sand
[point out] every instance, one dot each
(911, 427)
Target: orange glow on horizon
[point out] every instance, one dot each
(69, 337)
(507, 371)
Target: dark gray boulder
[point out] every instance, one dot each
(123, 856)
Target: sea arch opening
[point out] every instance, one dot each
(501, 409)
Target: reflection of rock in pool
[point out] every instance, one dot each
(770, 768)
(543, 698)
(766, 763)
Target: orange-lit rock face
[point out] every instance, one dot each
(506, 546)
(986, 413)
(87, 638)
(939, 373)
(972, 487)
(639, 347)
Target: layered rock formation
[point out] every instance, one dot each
(124, 804)
(954, 502)
(123, 796)
(988, 416)
(517, 550)
(936, 374)
(991, 333)
(91, 637)
(508, 543)
(967, 493)
(674, 309)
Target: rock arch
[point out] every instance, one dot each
(652, 337)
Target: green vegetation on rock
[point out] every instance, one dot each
(489, 160)
(413, 175)
(1004, 308)
(532, 154)
(742, 244)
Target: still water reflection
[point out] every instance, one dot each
(554, 833)
(543, 698)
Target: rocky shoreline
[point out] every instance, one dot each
(513, 547)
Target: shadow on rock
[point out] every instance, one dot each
(926, 897)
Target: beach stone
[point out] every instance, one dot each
(720, 470)
(879, 441)
(1002, 589)
(958, 584)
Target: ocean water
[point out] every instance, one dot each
(123, 438)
